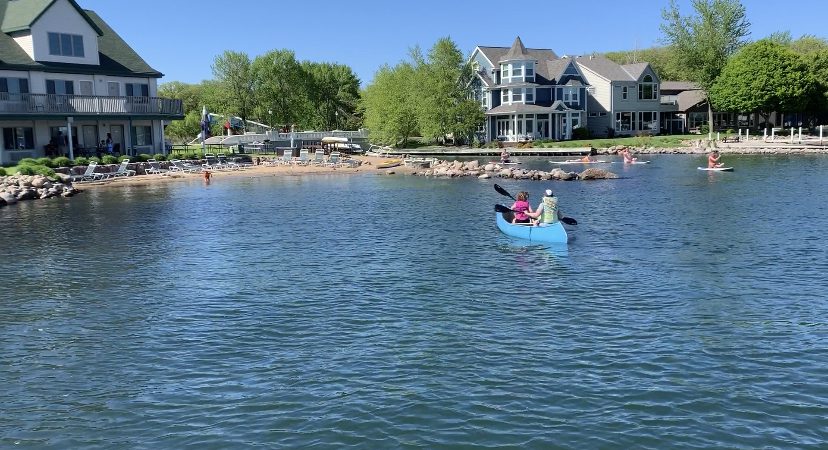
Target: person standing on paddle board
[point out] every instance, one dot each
(521, 207)
(713, 160)
(547, 211)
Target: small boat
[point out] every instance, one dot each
(389, 163)
(579, 161)
(554, 233)
(717, 169)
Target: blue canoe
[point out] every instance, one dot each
(554, 233)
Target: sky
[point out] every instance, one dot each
(182, 38)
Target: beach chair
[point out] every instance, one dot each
(154, 168)
(211, 162)
(177, 165)
(88, 175)
(303, 159)
(122, 171)
(334, 160)
(318, 158)
(225, 163)
(287, 157)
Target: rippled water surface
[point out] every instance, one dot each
(688, 311)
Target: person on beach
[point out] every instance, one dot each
(504, 156)
(547, 212)
(521, 207)
(109, 143)
(713, 160)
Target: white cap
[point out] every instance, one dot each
(549, 192)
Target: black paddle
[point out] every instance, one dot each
(501, 191)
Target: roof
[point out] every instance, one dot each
(556, 68)
(20, 15)
(609, 69)
(117, 58)
(517, 53)
(496, 54)
(520, 108)
(635, 70)
(689, 99)
(679, 86)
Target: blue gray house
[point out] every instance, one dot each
(528, 94)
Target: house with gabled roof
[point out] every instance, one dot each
(67, 80)
(528, 93)
(624, 99)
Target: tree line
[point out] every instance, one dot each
(710, 47)
(275, 89)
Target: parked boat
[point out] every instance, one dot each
(554, 233)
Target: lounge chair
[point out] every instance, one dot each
(318, 158)
(122, 171)
(177, 165)
(334, 160)
(154, 168)
(303, 160)
(212, 163)
(227, 164)
(287, 157)
(89, 174)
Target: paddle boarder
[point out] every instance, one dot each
(628, 158)
(713, 160)
(504, 156)
(547, 211)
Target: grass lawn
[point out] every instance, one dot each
(638, 141)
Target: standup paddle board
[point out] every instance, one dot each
(717, 169)
(637, 162)
(510, 163)
(578, 161)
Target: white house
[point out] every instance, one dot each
(67, 80)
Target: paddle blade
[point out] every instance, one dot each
(502, 191)
(502, 209)
(569, 221)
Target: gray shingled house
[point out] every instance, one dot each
(67, 79)
(528, 94)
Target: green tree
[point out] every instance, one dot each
(185, 130)
(814, 51)
(234, 75)
(663, 60)
(764, 76)
(334, 96)
(388, 105)
(704, 42)
(281, 87)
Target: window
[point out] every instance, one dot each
(649, 120)
(647, 89)
(504, 96)
(517, 95)
(85, 87)
(61, 44)
(504, 71)
(530, 72)
(142, 135)
(530, 95)
(18, 138)
(623, 92)
(623, 121)
(60, 87)
(137, 90)
(576, 122)
(570, 95)
(517, 70)
(11, 88)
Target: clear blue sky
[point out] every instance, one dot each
(181, 38)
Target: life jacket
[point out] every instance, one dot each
(521, 207)
(550, 210)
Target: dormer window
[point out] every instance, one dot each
(504, 71)
(517, 72)
(62, 44)
(647, 89)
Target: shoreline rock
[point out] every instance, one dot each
(455, 169)
(17, 188)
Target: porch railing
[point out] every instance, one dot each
(90, 105)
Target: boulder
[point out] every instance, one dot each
(559, 174)
(597, 174)
(8, 197)
(489, 167)
(505, 173)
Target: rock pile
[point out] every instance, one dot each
(17, 188)
(452, 169)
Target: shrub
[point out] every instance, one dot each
(704, 129)
(61, 161)
(27, 162)
(159, 157)
(580, 133)
(610, 132)
(2, 172)
(44, 162)
(143, 157)
(81, 161)
(26, 169)
(730, 131)
(95, 158)
(109, 159)
(45, 171)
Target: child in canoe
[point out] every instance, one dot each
(521, 207)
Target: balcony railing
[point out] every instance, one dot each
(88, 105)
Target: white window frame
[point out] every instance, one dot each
(529, 95)
(505, 96)
(571, 94)
(530, 67)
(624, 93)
(75, 48)
(517, 95)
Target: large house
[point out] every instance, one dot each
(624, 99)
(67, 80)
(534, 94)
(528, 93)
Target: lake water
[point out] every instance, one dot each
(688, 311)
